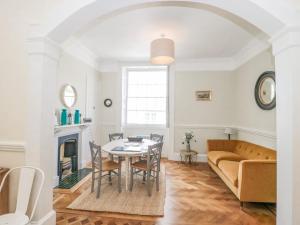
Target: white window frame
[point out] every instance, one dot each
(125, 95)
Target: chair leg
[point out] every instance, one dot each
(99, 184)
(93, 181)
(131, 179)
(119, 180)
(148, 183)
(109, 178)
(144, 176)
(157, 180)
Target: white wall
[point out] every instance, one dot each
(15, 18)
(206, 119)
(256, 125)
(110, 122)
(86, 81)
(233, 105)
(109, 116)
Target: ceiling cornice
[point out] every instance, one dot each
(75, 48)
(206, 64)
(252, 49)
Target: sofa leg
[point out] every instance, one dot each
(241, 205)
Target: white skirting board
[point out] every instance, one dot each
(48, 219)
(200, 157)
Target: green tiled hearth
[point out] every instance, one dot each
(71, 180)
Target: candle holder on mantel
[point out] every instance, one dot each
(187, 154)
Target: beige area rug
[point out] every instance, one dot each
(136, 202)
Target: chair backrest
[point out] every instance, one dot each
(115, 136)
(154, 155)
(96, 155)
(157, 137)
(26, 183)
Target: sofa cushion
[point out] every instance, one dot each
(216, 156)
(230, 170)
(252, 151)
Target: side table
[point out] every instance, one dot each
(188, 155)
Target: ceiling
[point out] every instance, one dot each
(197, 33)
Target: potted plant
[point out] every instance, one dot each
(188, 136)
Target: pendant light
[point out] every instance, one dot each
(162, 51)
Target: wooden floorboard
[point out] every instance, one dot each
(195, 195)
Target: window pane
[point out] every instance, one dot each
(146, 96)
(146, 117)
(151, 104)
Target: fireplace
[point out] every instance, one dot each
(67, 162)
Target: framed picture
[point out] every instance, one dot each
(203, 95)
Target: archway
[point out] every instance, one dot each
(68, 19)
(266, 15)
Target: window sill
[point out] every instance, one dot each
(145, 126)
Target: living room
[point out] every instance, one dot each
(220, 85)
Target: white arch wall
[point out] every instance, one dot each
(271, 17)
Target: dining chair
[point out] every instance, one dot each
(101, 166)
(157, 137)
(151, 164)
(28, 176)
(115, 136)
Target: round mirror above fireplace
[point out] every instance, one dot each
(68, 95)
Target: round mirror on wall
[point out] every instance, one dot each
(265, 91)
(68, 95)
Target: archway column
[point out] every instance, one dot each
(43, 63)
(286, 49)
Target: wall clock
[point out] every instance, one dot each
(108, 102)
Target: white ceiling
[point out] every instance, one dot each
(197, 34)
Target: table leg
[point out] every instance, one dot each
(126, 172)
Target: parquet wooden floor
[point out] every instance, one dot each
(195, 196)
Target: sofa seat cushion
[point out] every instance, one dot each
(230, 169)
(216, 156)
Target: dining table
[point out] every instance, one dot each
(126, 149)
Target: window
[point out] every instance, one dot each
(145, 91)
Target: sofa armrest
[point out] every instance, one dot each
(220, 145)
(257, 181)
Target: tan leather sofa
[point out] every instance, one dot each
(249, 170)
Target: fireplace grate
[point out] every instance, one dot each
(71, 180)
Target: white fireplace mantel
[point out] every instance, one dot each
(83, 132)
(59, 128)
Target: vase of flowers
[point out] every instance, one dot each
(188, 136)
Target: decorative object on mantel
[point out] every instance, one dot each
(108, 102)
(69, 118)
(188, 154)
(265, 91)
(77, 116)
(57, 117)
(63, 117)
(229, 131)
(203, 95)
(68, 95)
(87, 120)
